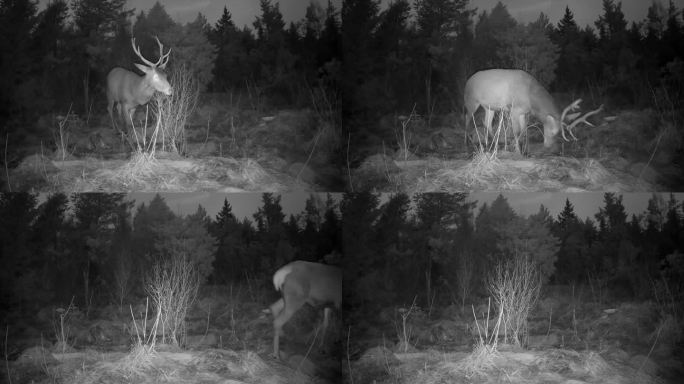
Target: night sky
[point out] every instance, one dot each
(586, 12)
(245, 11)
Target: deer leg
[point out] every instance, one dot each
(515, 125)
(277, 307)
(522, 121)
(518, 123)
(465, 131)
(128, 116)
(291, 306)
(120, 113)
(115, 114)
(326, 321)
(110, 109)
(489, 116)
(469, 116)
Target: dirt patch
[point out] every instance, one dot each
(221, 149)
(228, 350)
(625, 151)
(505, 171)
(159, 173)
(505, 365)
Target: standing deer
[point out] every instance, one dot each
(517, 92)
(129, 90)
(304, 282)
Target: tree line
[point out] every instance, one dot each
(440, 248)
(437, 247)
(370, 61)
(58, 58)
(422, 52)
(100, 247)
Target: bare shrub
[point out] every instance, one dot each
(62, 326)
(173, 111)
(465, 273)
(515, 285)
(61, 135)
(122, 279)
(404, 136)
(405, 332)
(173, 286)
(485, 351)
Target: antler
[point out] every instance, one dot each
(574, 119)
(583, 119)
(163, 59)
(137, 52)
(574, 105)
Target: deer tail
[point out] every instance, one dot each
(279, 277)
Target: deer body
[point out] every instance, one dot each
(519, 93)
(128, 90)
(302, 282)
(516, 92)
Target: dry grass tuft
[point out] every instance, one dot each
(596, 365)
(252, 172)
(483, 165)
(139, 360)
(480, 360)
(141, 165)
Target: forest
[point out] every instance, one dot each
(418, 270)
(436, 245)
(395, 246)
(422, 52)
(61, 54)
(392, 60)
(241, 93)
(438, 287)
(89, 243)
(403, 96)
(358, 85)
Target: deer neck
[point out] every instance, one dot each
(542, 104)
(145, 90)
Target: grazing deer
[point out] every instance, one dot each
(304, 282)
(129, 90)
(517, 92)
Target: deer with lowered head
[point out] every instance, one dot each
(520, 94)
(303, 282)
(127, 90)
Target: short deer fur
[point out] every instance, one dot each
(520, 94)
(302, 282)
(127, 90)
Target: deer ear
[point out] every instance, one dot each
(143, 68)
